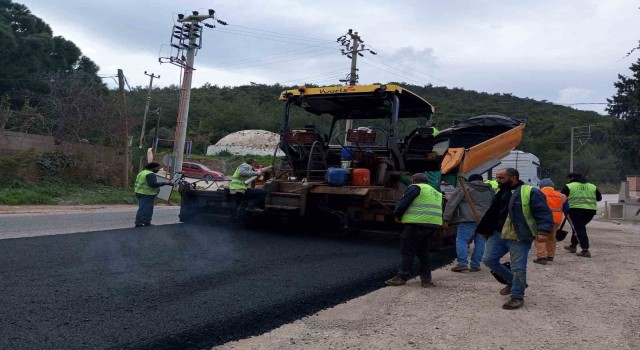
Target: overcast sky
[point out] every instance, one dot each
(565, 52)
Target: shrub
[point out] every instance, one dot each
(55, 163)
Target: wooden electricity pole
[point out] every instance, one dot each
(125, 123)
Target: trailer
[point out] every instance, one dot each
(348, 180)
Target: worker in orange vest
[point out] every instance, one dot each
(558, 204)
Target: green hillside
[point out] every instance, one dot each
(217, 111)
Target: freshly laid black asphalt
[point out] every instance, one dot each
(176, 286)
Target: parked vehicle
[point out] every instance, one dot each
(200, 171)
(527, 164)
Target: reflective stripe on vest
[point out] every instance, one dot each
(142, 186)
(525, 196)
(426, 208)
(237, 181)
(555, 201)
(582, 195)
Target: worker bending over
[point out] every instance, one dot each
(243, 182)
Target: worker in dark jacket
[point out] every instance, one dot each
(582, 197)
(420, 211)
(458, 211)
(147, 188)
(518, 214)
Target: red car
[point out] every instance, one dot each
(200, 171)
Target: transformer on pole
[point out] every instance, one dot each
(186, 38)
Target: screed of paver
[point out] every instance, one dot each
(572, 303)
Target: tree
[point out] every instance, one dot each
(625, 107)
(29, 51)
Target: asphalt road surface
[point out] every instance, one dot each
(175, 286)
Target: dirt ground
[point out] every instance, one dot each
(572, 303)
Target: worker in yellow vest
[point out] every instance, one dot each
(242, 181)
(582, 208)
(518, 214)
(420, 211)
(147, 188)
(558, 204)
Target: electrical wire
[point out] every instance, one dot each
(227, 31)
(284, 34)
(263, 58)
(281, 61)
(411, 80)
(399, 70)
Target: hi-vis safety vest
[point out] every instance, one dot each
(426, 208)
(582, 196)
(237, 181)
(142, 186)
(555, 201)
(493, 183)
(525, 196)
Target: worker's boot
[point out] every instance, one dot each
(396, 281)
(541, 261)
(570, 248)
(426, 283)
(513, 304)
(506, 290)
(459, 268)
(584, 254)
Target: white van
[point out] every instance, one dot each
(526, 163)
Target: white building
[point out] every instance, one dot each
(244, 142)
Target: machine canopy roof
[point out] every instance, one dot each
(358, 102)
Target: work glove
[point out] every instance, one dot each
(541, 238)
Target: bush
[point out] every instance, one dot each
(55, 163)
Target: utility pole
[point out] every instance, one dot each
(155, 138)
(146, 106)
(581, 133)
(189, 39)
(353, 47)
(125, 122)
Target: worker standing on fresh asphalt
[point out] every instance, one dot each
(518, 214)
(240, 182)
(558, 204)
(147, 188)
(582, 208)
(420, 211)
(458, 211)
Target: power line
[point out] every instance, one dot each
(266, 58)
(283, 34)
(226, 31)
(395, 73)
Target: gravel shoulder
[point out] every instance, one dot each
(572, 303)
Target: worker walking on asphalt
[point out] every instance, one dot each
(420, 211)
(241, 182)
(459, 211)
(147, 188)
(518, 214)
(582, 208)
(558, 204)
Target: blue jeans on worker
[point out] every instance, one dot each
(496, 248)
(145, 208)
(465, 235)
